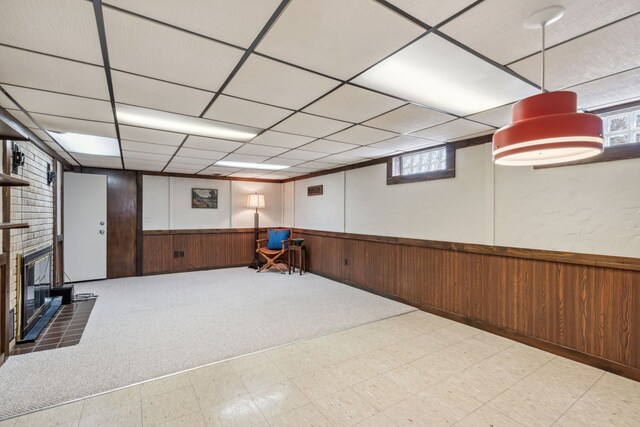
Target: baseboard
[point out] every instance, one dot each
(588, 359)
(155, 273)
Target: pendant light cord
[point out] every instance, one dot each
(544, 25)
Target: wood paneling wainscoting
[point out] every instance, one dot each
(169, 251)
(584, 307)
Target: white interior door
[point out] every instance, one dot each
(85, 226)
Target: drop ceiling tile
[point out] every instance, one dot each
(134, 133)
(23, 118)
(135, 155)
(37, 101)
(335, 39)
(310, 125)
(409, 118)
(242, 112)
(353, 104)
(612, 90)
(143, 147)
(44, 72)
(144, 165)
(274, 83)
(405, 143)
(301, 170)
(186, 169)
(64, 28)
(219, 170)
(497, 117)
(67, 158)
(201, 154)
(232, 21)
(329, 147)
(342, 159)
(370, 152)
(318, 165)
(212, 144)
(248, 173)
(63, 124)
(283, 162)
(169, 54)
(261, 150)
(6, 102)
(247, 158)
(495, 28)
(436, 73)
(597, 54)
(431, 12)
(279, 139)
(302, 155)
(279, 175)
(362, 135)
(452, 130)
(149, 93)
(192, 161)
(44, 136)
(99, 161)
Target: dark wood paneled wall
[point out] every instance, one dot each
(201, 249)
(580, 306)
(122, 220)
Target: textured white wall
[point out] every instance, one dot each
(182, 216)
(324, 212)
(155, 202)
(447, 209)
(591, 208)
(288, 209)
(242, 217)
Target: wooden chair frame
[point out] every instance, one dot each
(272, 256)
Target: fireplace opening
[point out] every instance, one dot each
(35, 305)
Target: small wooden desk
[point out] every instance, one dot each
(302, 251)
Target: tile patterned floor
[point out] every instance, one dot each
(64, 330)
(415, 369)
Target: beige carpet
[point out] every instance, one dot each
(145, 327)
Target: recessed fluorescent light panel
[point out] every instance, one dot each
(244, 165)
(171, 122)
(436, 73)
(88, 144)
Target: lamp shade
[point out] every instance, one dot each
(255, 201)
(547, 129)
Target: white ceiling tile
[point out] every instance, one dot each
(409, 118)
(63, 124)
(310, 125)
(145, 92)
(6, 102)
(597, 54)
(192, 161)
(242, 112)
(436, 73)
(404, 143)
(23, 118)
(283, 162)
(361, 135)
(301, 170)
(274, 83)
(261, 150)
(134, 133)
(318, 165)
(64, 28)
(495, 28)
(452, 130)
(497, 117)
(612, 90)
(248, 173)
(186, 169)
(431, 12)
(342, 159)
(353, 104)
(219, 170)
(278, 175)
(144, 147)
(232, 21)
(329, 147)
(335, 38)
(279, 139)
(144, 165)
(136, 155)
(44, 136)
(370, 152)
(150, 49)
(302, 155)
(246, 158)
(99, 161)
(201, 154)
(212, 144)
(37, 101)
(44, 72)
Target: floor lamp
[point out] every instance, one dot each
(256, 201)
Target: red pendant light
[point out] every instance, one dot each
(546, 128)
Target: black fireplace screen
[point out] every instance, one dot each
(36, 287)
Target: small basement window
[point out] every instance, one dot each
(423, 165)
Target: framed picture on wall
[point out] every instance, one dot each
(204, 198)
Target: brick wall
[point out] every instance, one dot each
(32, 204)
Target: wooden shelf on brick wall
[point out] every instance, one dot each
(9, 181)
(10, 225)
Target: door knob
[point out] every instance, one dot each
(101, 231)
